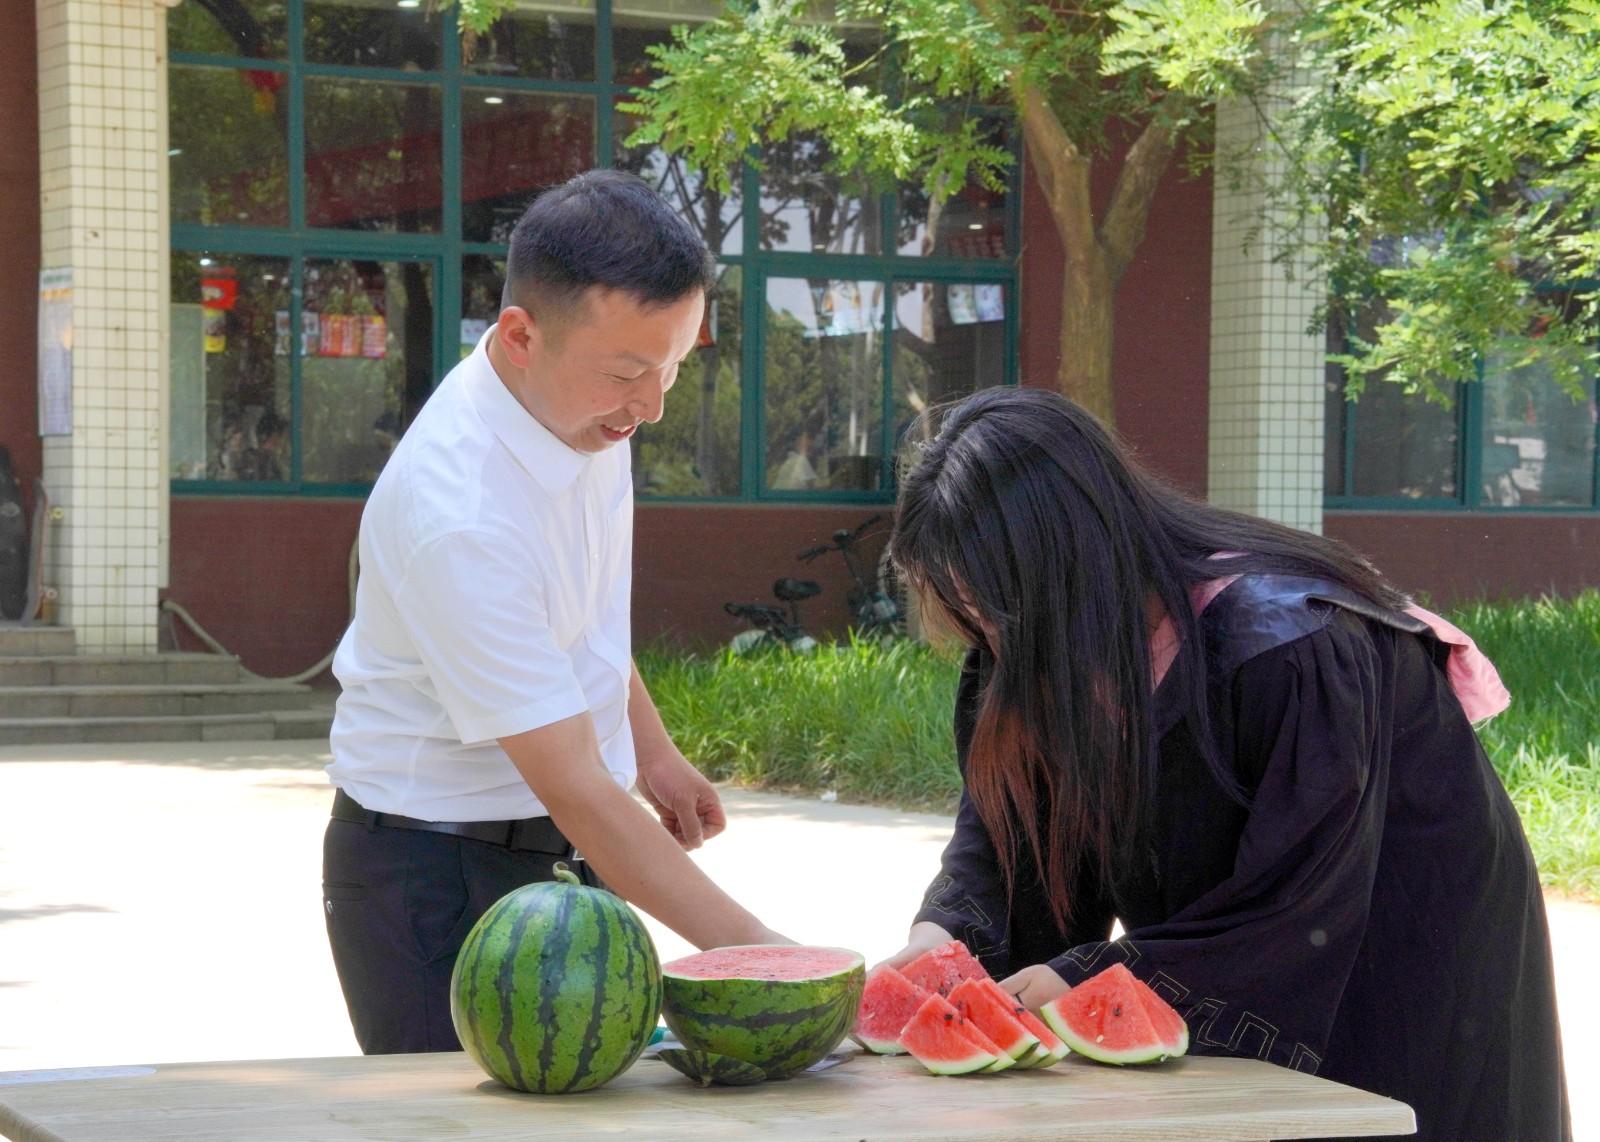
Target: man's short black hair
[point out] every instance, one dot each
(603, 228)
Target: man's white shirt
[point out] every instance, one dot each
(496, 569)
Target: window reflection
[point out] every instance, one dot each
(637, 24)
(1538, 438)
(482, 279)
(949, 342)
(715, 215)
(694, 449)
(230, 343)
(374, 33)
(805, 207)
(971, 223)
(513, 145)
(228, 146)
(373, 155)
(366, 346)
(538, 39)
(824, 384)
(254, 29)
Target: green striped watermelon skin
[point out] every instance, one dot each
(782, 1026)
(556, 988)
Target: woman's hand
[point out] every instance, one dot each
(1035, 986)
(925, 936)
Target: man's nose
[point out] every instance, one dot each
(648, 402)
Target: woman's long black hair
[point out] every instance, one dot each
(1035, 535)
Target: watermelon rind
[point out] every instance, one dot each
(780, 1026)
(556, 988)
(1080, 1017)
(945, 1043)
(706, 1069)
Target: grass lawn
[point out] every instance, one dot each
(872, 723)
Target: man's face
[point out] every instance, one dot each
(597, 376)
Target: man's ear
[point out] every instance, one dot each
(520, 339)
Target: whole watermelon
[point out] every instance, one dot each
(557, 987)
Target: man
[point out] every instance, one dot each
(491, 720)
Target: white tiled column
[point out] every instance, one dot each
(102, 65)
(1266, 372)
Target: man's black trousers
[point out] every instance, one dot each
(398, 904)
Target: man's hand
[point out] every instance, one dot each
(1035, 986)
(685, 801)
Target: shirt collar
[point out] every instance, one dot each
(541, 452)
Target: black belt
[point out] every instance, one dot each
(530, 834)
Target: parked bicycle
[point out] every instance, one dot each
(872, 599)
(773, 626)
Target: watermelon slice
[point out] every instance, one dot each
(1115, 1018)
(941, 1040)
(887, 1005)
(994, 1018)
(944, 967)
(1050, 1050)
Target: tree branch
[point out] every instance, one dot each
(1063, 173)
(1147, 160)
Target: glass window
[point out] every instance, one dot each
(714, 215)
(972, 223)
(230, 399)
(637, 24)
(373, 155)
(804, 207)
(405, 34)
(252, 29)
(949, 342)
(367, 363)
(482, 279)
(513, 145)
(1404, 446)
(1538, 439)
(538, 39)
(824, 385)
(694, 449)
(228, 146)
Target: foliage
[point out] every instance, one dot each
(873, 723)
(1436, 162)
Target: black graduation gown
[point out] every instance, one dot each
(1374, 915)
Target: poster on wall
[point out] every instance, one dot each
(55, 351)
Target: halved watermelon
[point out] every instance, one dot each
(1115, 1018)
(944, 967)
(887, 1005)
(994, 1018)
(1051, 1050)
(944, 1042)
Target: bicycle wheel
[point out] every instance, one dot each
(892, 589)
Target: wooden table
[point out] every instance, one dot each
(400, 1098)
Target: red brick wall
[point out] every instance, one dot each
(19, 238)
(1161, 350)
(266, 577)
(1453, 556)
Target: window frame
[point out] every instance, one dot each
(446, 249)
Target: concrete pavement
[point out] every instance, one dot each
(161, 903)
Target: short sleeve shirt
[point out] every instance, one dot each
(496, 568)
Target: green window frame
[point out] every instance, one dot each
(445, 250)
(1469, 417)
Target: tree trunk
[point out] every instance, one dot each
(1088, 305)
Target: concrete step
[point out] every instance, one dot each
(166, 669)
(33, 639)
(265, 726)
(20, 702)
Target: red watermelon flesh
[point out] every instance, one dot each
(994, 1018)
(763, 961)
(1051, 1050)
(1108, 1018)
(944, 967)
(887, 1005)
(941, 1040)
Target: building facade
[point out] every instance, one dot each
(275, 224)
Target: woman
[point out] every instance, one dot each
(1232, 737)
